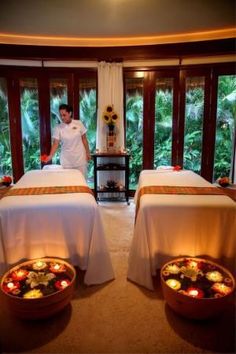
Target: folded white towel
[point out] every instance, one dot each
(52, 167)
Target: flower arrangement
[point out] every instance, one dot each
(110, 117)
(197, 278)
(6, 180)
(36, 279)
(224, 181)
(43, 158)
(177, 168)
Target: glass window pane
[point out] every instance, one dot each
(134, 127)
(225, 125)
(30, 123)
(88, 116)
(163, 122)
(58, 95)
(194, 112)
(5, 145)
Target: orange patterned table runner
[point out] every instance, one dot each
(177, 190)
(48, 190)
(3, 191)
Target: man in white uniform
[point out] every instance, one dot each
(74, 145)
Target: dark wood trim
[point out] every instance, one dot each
(211, 72)
(172, 50)
(176, 119)
(149, 86)
(181, 117)
(13, 89)
(71, 95)
(208, 128)
(44, 114)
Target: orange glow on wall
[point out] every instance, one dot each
(7, 38)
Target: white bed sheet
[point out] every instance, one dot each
(168, 226)
(61, 225)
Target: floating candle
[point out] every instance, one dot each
(214, 276)
(222, 288)
(195, 292)
(57, 268)
(19, 274)
(33, 294)
(173, 284)
(62, 284)
(172, 268)
(39, 265)
(11, 286)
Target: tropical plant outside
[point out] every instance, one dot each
(88, 116)
(225, 125)
(163, 125)
(194, 112)
(58, 96)
(134, 133)
(30, 124)
(225, 130)
(5, 145)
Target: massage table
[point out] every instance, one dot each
(63, 223)
(173, 225)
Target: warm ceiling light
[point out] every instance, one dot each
(116, 41)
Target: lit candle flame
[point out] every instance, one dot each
(193, 292)
(64, 283)
(10, 285)
(173, 283)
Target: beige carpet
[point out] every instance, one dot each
(118, 317)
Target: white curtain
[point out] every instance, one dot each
(110, 92)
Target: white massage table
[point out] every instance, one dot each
(169, 226)
(55, 225)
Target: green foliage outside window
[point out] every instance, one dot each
(194, 110)
(56, 99)
(225, 126)
(30, 129)
(5, 146)
(226, 122)
(163, 128)
(134, 135)
(88, 116)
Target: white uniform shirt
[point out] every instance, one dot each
(73, 153)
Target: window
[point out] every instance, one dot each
(88, 115)
(134, 127)
(194, 113)
(5, 145)
(163, 121)
(58, 95)
(225, 125)
(30, 123)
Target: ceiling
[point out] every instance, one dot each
(115, 22)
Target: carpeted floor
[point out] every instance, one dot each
(118, 317)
